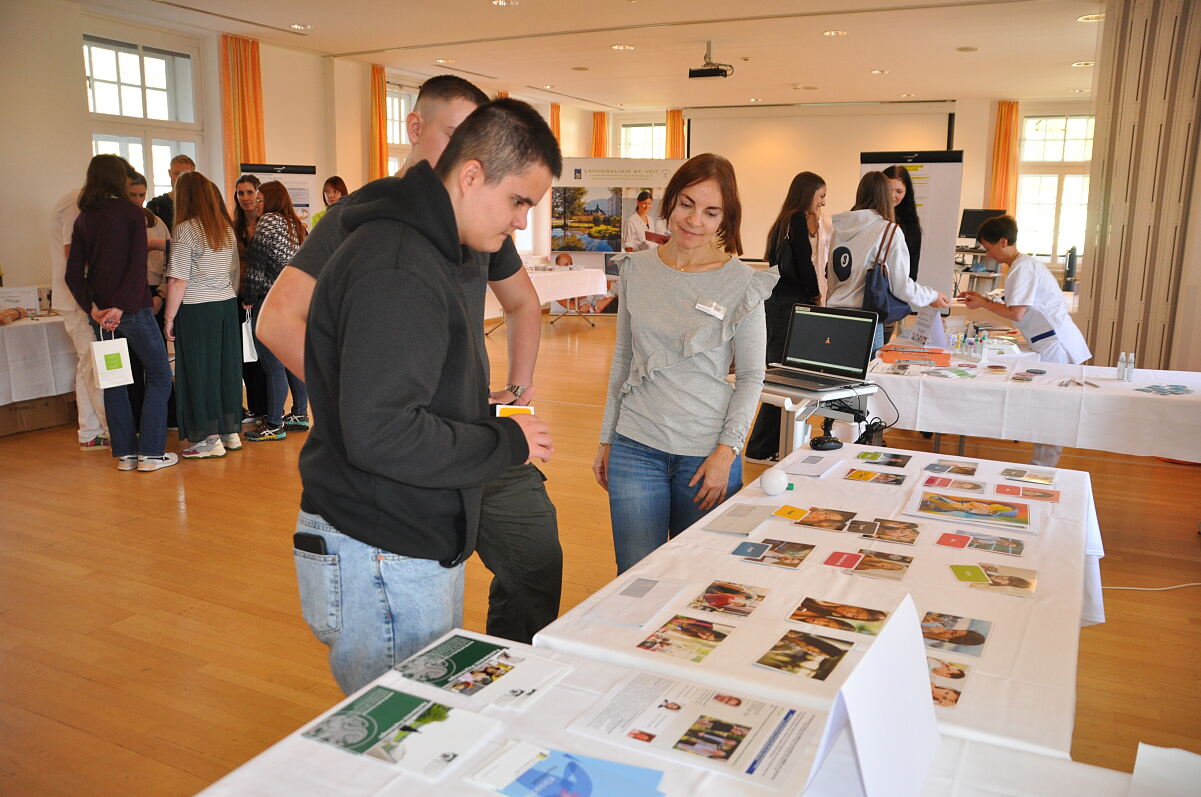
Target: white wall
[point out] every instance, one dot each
(349, 124)
(974, 123)
(768, 146)
(575, 132)
(294, 119)
(46, 141)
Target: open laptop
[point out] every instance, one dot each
(827, 348)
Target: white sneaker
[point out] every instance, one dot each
(147, 464)
(231, 442)
(127, 463)
(210, 447)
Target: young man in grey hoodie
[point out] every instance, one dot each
(392, 472)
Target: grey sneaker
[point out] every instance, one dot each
(127, 463)
(231, 442)
(147, 464)
(209, 447)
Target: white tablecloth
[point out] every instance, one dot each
(36, 359)
(555, 285)
(1021, 693)
(1110, 417)
(299, 766)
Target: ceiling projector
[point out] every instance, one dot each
(710, 68)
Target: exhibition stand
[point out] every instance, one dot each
(37, 359)
(553, 286)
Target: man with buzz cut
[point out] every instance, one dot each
(518, 534)
(392, 472)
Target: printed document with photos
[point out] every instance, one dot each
(499, 675)
(729, 732)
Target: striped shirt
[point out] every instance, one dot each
(210, 274)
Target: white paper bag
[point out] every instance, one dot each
(249, 353)
(111, 358)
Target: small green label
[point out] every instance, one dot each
(112, 362)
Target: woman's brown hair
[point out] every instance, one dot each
(197, 198)
(709, 167)
(874, 194)
(277, 200)
(106, 178)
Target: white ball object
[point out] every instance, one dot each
(773, 481)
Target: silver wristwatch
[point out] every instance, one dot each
(516, 390)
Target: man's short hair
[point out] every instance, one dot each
(507, 137)
(998, 227)
(183, 159)
(445, 88)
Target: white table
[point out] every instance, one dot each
(555, 285)
(1111, 417)
(37, 359)
(1022, 691)
(299, 766)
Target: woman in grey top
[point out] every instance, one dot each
(673, 425)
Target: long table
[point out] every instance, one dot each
(1022, 691)
(37, 359)
(1113, 416)
(555, 285)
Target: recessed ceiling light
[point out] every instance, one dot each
(879, 71)
(746, 58)
(579, 69)
(809, 88)
(834, 34)
(300, 27)
(444, 60)
(756, 99)
(1091, 18)
(1083, 63)
(505, 3)
(967, 49)
(550, 86)
(1081, 91)
(907, 95)
(622, 46)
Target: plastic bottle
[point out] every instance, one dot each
(1122, 367)
(1130, 368)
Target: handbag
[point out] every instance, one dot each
(111, 359)
(250, 354)
(877, 292)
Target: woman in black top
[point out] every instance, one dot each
(790, 249)
(905, 208)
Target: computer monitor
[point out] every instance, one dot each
(969, 225)
(830, 340)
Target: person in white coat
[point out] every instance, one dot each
(858, 236)
(1035, 305)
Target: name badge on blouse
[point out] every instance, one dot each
(712, 308)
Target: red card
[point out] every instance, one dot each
(954, 540)
(1008, 489)
(841, 559)
(938, 481)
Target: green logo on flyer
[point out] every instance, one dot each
(112, 362)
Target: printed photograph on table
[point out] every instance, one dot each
(879, 564)
(1033, 493)
(523, 769)
(947, 679)
(686, 638)
(955, 634)
(857, 475)
(710, 737)
(982, 542)
(885, 458)
(729, 598)
(1007, 580)
(779, 553)
(828, 519)
(469, 666)
(954, 467)
(989, 511)
(946, 483)
(1043, 477)
(809, 655)
(890, 530)
(842, 616)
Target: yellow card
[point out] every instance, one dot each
(861, 475)
(791, 512)
(506, 410)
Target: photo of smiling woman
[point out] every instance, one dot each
(673, 425)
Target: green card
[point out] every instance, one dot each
(972, 573)
(112, 362)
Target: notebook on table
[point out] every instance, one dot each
(827, 348)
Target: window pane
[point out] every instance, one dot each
(1036, 211)
(87, 62)
(1078, 127)
(131, 101)
(393, 165)
(1034, 129)
(104, 64)
(107, 99)
(156, 104)
(1073, 213)
(131, 69)
(1075, 150)
(136, 158)
(160, 158)
(1032, 150)
(1053, 151)
(106, 148)
(156, 72)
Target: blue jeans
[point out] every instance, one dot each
(371, 607)
(649, 497)
(145, 342)
(878, 339)
(279, 379)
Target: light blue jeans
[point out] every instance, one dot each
(371, 607)
(649, 497)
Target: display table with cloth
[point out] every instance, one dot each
(1020, 692)
(300, 766)
(37, 359)
(1113, 416)
(553, 286)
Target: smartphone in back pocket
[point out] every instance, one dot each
(309, 543)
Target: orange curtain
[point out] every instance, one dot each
(500, 95)
(1003, 185)
(554, 122)
(377, 156)
(675, 133)
(600, 134)
(241, 106)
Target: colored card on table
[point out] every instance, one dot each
(865, 528)
(947, 482)
(987, 542)
(804, 654)
(878, 564)
(829, 519)
(750, 549)
(955, 467)
(1041, 494)
(844, 559)
(686, 638)
(727, 597)
(954, 540)
(1008, 489)
(1005, 580)
(841, 616)
(1044, 477)
(973, 573)
(860, 475)
(782, 553)
(895, 479)
(792, 513)
(885, 458)
(963, 635)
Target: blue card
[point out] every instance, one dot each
(751, 549)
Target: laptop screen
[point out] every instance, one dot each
(830, 340)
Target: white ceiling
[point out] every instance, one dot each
(1025, 47)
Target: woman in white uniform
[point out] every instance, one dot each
(1035, 305)
(639, 223)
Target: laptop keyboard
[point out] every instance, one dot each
(816, 380)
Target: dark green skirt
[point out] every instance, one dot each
(208, 369)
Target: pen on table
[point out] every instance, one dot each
(1091, 384)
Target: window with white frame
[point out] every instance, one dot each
(397, 105)
(644, 140)
(1052, 197)
(141, 101)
